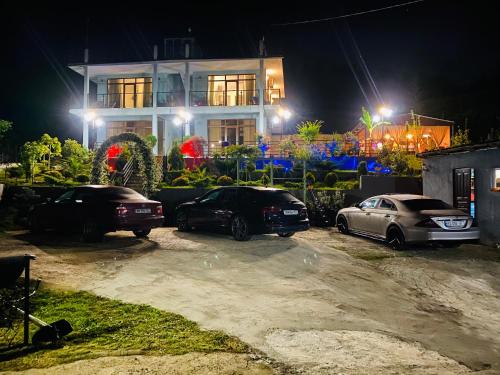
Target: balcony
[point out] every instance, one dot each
(170, 99)
(272, 97)
(227, 98)
(123, 100)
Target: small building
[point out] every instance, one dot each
(431, 133)
(467, 177)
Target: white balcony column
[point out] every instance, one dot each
(261, 85)
(187, 86)
(154, 120)
(86, 85)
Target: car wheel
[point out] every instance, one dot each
(142, 233)
(395, 238)
(182, 222)
(286, 234)
(35, 226)
(91, 232)
(342, 225)
(240, 228)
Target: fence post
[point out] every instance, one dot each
(271, 170)
(304, 182)
(237, 171)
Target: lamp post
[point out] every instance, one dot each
(97, 122)
(183, 117)
(282, 116)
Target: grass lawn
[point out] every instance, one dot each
(103, 327)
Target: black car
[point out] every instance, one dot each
(94, 210)
(245, 211)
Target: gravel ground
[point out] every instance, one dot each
(319, 302)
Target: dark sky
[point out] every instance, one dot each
(439, 58)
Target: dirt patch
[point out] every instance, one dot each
(192, 363)
(356, 352)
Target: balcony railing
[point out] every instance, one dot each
(170, 99)
(124, 100)
(227, 98)
(272, 96)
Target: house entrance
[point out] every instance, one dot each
(464, 197)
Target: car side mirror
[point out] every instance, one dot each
(357, 205)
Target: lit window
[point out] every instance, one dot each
(497, 178)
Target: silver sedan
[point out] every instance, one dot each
(407, 218)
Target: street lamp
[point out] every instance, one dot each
(284, 114)
(385, 112)
(96, 121)
(183, 117)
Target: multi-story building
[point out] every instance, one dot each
(225, 101)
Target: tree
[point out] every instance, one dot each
(362, 169)
(53, 146)
(151, 140)
(174, 159)
(460, 138)
(76, 158)
(369, 122)
(31, 153)
(5, 126)
(308, 131)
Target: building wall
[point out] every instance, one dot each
(438, 183)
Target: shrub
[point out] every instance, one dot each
(362, 169)
(202, 182)
(310, 178)
(265, 180)
(347, 185)
(250, 183)
(51, 180)
(331, 179)
(15, 172)
(55, 174)
(82, 178)
(293, 185)
(225, 181)
(180, 181)
(175, 159)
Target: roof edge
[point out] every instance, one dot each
(458, 149)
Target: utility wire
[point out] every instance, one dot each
(349, 15)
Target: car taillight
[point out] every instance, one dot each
(121, 210)
(272, 210)
(303, 212)
(159, 210)
(427, 223)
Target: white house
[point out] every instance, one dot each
(225, 101)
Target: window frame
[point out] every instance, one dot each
(393, 205)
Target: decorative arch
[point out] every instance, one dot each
(145, 160)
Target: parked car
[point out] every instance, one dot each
(406, 218)
(94, 210)
(245, 211)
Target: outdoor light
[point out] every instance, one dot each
(409, 136)
(89, 116)
(386, 112)
(380, 145)
(99, 122)
(426, 135)
(387, 136)
(286, 114)
(177, 121)
(376, 118)
(276, 120)
(186, 115)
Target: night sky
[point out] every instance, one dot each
(438, 58)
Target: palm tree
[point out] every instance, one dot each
(370, 123)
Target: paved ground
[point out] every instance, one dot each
(320, 302)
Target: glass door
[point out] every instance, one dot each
(129, 95)
(231, 93)
(231, 135)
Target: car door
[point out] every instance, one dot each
(226, 207)
(382, 216)
(203, 212)
(363, 217)
(63, 210)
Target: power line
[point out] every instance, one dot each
(349, 15)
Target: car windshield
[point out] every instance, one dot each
(279, 196)
(426, 204)
(118, 193)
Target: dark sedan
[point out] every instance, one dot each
(245, 211)
(94, 210)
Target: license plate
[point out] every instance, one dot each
(454, 223)
(143, 210)
(290, 212)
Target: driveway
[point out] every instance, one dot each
(320, 302)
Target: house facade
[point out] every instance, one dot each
(467, 177)
(224, 101)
